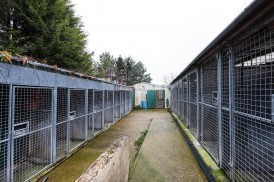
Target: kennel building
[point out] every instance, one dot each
(225, 96)
(47, 112)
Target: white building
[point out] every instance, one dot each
(156, 95)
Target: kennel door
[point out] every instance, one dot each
(31, 131)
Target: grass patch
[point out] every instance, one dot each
(141, 139)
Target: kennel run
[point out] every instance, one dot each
(47, 112)
(225, 96)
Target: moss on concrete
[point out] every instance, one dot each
(215, 170)
(77, 163)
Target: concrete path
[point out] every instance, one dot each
(164, 155)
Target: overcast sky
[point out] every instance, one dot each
(166, 35)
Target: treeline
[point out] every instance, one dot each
(50, 32)
(121, 70)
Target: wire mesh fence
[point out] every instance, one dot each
(230, 108)
(41, 125)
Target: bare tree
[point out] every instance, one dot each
(167, 79)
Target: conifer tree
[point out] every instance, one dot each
(45, 30)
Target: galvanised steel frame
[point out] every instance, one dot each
(45, 115)
(228, 96)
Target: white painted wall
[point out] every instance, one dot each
(142, 88)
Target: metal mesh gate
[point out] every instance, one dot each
(90, 113)
(98, 111)
(77, 118)
(108, 107)
(193, 110)
(209, 107)
(62, 123)
(4, 126)
(31, 128)
(117, 106)
(253, 103)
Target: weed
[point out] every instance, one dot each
(141, 139)
(138, 107)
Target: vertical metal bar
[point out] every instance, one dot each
(12, 108)
(230, 111)
(113, 106)
(197, 101)
(202, 106)
(120, 104)
(86, 114)
(10, 143)
(53, 124)
(219, 85)
(68, 123)
(103, 110)
(188, 104)
(93, 110)
(184, 101)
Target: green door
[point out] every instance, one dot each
(151, 99)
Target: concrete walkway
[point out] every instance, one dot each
(164, 155)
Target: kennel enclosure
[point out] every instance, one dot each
(225, 96)
(47, 113)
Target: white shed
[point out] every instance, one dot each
(156, 95)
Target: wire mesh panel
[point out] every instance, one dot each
(31, 131)
(181, 99)
(193, 104)
(117, 105)
(177, 98)
(4, 130)
(77, 117)
(210, 101)
(98, 111)
(126, 102)
(253, 103)
(185, 98)
(130, 100)
(62, 123)
(90, 113)
(108, 107)
(122, 103)
(199, 99)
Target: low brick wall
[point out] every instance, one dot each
(112, 165)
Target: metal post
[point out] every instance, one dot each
(86, 114)
(53, 124)
(120, 104)
(188, 103)
(230, 111)
(68, 123)
(103, 110)
(10, 143)
(219, 82)
(202, 106)
(93, 110)
(12, 108)
(113, 106)
(197, 101)
(183, 99)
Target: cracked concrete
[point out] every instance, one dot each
(164, 155)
